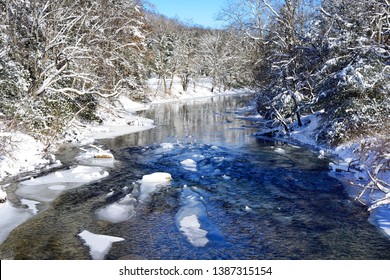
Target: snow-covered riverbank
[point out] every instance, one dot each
(354, 163)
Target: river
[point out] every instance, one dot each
(231, 196)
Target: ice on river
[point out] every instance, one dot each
(189, 164)
(96, 157)
(10, 218)
(151, 182)
(117, 212)
(99, 245)
(188, 218)
(49, 187)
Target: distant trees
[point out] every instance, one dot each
(190, 52)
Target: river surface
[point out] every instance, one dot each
(232, 196)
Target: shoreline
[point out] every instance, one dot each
(354, 177)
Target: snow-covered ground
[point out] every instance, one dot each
(201, 87)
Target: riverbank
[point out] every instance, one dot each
(361, 164)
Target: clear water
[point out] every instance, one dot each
(253, 199)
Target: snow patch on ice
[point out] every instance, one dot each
(99, 244)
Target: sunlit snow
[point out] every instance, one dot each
(151, 182)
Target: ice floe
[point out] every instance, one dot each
(96, 156)
(49, 187)
(117, 212)
(189, 164)
(99, 245)
(166, 145)
(11, 217)
(190, 227)
(188, 217)
(151, 182)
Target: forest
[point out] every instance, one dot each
(60, 59)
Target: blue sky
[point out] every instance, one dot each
(201, 12)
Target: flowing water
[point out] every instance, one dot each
(232, 196)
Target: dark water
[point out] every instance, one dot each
(254, 199)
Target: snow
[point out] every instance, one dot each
(306, 134)
(99, 244)
(189, 164)
(25, 154)
(151, 182)
(131, 106)
(201, 87)
(118, 212)
(49, 187)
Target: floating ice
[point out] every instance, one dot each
(280, 151)
(157, 177)
(11, 217)
(49, 187)
(99, 245)
(118, 212)
(190, 227)
(97, 157)
(166, 145)
(151, 182)
(189, 164)
(188, 218)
